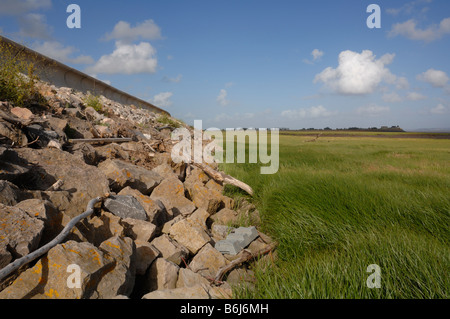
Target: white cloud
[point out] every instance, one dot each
(316, 54)
(18, 7)
(410, 30)
(59, 52)
(222, 98)
(436, 78)
(358, 73)
(415, 96)
(312, 112)
(440, 109)
(34, 25)
(391, 97)
(162, 99)
(372, 110)
(173, 80)
(127, 59)
(147, 30)
(408, 8)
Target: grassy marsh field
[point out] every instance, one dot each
(340, 204)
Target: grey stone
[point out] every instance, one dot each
(125, 206)
(10, 194)
(238, 240)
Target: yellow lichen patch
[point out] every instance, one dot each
(52, 293)
(96, 256)
(108, 243)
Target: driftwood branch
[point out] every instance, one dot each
(104, 140)
(223, 178)
(245, 256)
(39, 252)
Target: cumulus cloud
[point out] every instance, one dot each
(392, 97)
(59, 52)
(415, 96)
(408, 7)
(436, 78)
(372, 110)
(410, 30)
(312, 112)
(316, 54)
(358, 73)
(162, 99)
(34, 25)
(18, 7)
(222, 98)
(440, 109)
(127, 59)
(147, 30)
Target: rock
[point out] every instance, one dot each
(54, 144)
(208, 261)
(162, 274)
(58, 125)
(221, 231)
(196, 292)
(49, 278)
(190, 235)
(120, 280)
(92, 114)
(103, 131)
(203, 197)
(211, 184)
(242, 277)
(139, 229)
(122, 174)
(156, 212)
(171, 193)
(188, 278)
(165, 171)
(12, 134)
(199, 217)
(196, 175)
(11, 167)
(226, 216)
(10, 194)
(170, 223)
(82, 181)
(97, 229)
(36, 132)
(19, 232)
(112, 151)
(22, 113)
(45, 211)
(125, 206)
(85, 152)
(237, 240)
(146, 253)
(170, 249)
(5, 256)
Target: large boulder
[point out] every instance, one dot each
(122, 174)
(52, 278)
(162, 274)
(203, 197)
(208, 261)
(84, 182)
(125, 206)
(171, 193)
(156, 212)
(19, 232)
(170, 249)
(190, 235)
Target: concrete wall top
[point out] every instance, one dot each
(61, 75)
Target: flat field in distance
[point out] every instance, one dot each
(341, 203)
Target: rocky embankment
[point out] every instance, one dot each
(153, 234)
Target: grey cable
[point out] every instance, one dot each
(39, 252)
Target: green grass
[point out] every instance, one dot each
(342, 203)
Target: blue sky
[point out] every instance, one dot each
(259, 63)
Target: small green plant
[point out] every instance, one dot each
(94, 102)
(17, 76)
(165, 119)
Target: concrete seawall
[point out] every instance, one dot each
(61, 75)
